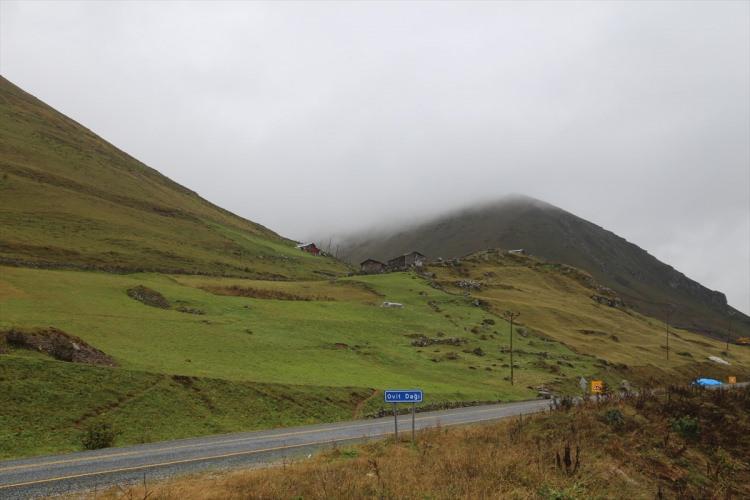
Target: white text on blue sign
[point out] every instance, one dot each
(403, 396)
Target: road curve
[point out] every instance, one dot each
(42, 476)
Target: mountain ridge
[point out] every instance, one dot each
(519, 221)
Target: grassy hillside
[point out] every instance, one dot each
(643, 281)
(69, 199)
(46, 405)
(211, 323)
(264, 353)
(556, 301)
(672, 446)
(342, 338)
(248, 350)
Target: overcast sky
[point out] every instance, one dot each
(313, 118)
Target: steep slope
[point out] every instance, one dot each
(541, 229)
(70, 199)
(566, 304)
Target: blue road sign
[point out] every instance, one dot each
(403, 396)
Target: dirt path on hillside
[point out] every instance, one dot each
(119, 402)
(360, 406)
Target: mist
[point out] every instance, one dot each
(321, 119)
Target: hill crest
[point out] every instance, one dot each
(542, 229)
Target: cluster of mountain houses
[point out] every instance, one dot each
(400, 263)
(409, 260)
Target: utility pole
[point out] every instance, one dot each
(729, 333)
(510, 316)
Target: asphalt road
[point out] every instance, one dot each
(90, 470)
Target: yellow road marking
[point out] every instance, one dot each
(171, 448)
(228, 441)
(174, 462)
(214, 457)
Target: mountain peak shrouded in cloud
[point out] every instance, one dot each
(522, 222)
(315, 118)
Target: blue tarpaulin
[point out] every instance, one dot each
(705, 382)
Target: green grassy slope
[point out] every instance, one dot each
(69, 199)
(643, 281)
(324, 339)
(346, 342)
(259, 362)
(45, 405)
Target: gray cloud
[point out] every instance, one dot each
(328, 117)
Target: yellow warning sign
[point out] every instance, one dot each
(731, 379)
(597, 386)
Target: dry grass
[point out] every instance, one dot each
(260, 293)
(348, 291)
(628, 448)
(555, 301)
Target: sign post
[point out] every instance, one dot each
(397, 396)
(395, 421)
(413, 413)
(583, 384)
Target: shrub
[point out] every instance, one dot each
(97, 435)
(614, 418)
(687, 427)
(564, 403)
(550, 493)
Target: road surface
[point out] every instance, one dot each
(98, 469)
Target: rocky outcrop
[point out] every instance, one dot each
(427, 341)
(469, 284)
(148, 296)
(611, 301)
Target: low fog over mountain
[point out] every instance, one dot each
(325, 118)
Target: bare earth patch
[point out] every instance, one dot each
(57, 344)
(259, 293)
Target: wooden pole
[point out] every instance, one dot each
(670, 310)
(729, 333)
(511, 351)
(510, 316)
